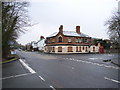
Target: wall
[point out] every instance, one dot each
(41, 44)
(65, 49)
(65, 40)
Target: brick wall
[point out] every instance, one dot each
(54, 40)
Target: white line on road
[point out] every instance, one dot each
(73, 68)
(52, 87)
(93, 58)
(112, 80)
(41, 78)
(26, 66)
(107, 66)
(16, 76)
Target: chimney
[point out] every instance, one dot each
(78, 29)
(61, 28)
(41, 37)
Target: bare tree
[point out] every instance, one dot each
(14, 19)
(114, 27)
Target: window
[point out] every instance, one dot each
(53, 40)
(79, 49)
(69, 49)
(86, 49)
(53, 49)
(93, 49)
(69, 40)
(60, 39)
(49, 49)
(59, 49)
(87, 40)
(83, 48)
(76, 40)
(79, 40)
(76, 48)
(84, 40)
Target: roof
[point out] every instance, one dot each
(40, 40)
(70, 33)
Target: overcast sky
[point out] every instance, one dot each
(48, 15)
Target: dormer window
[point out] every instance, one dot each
(60, 39)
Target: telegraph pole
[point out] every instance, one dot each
(119, 43)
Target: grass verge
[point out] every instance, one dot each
(12, 58)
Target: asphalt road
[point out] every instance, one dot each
(39, 70)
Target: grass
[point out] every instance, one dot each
(10, 59)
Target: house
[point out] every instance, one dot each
(41, 44)
(28, 47)
(69, 42)
(34, 46)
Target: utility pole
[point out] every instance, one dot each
(119, 19)
(119, 44)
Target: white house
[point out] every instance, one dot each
(34, 46)
(41, 44)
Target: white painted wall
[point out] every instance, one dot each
(65, 49)
(34, 45)
(96, 48)
(41, 44)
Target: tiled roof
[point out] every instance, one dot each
(70, 33)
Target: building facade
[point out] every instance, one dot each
(69, 42)
(41, 44)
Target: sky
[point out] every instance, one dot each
(47, 15)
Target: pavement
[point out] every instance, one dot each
(39, 70)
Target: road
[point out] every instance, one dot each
(39, 70)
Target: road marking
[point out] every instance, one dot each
(52, 87)
(26, 66)
(112, 80)
(110, 55)
(41, 78)
(93, 58)
(107, 66)
(16, 76)
(73, 68)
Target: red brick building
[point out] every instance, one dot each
(69, 42)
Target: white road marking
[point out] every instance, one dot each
(41, 78)
(112, 80)
(107, 66)
(101, 65)
(110, 55)
(16, 76)
(87, 62)
(26, 66)
(93, 58)
(73, 68)
(52, 87)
